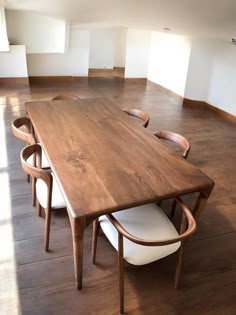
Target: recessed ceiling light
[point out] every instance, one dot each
(166, 29)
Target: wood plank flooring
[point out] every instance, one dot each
(34, 282)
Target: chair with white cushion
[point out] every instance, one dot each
(142, 235)
(140, 114)
(22, 129)
(48, 193)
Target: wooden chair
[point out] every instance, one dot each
(182, 142)
(48, 193)
(65, 97)
(176, 138)
(142, 235)
(144, 116)
(22, 129)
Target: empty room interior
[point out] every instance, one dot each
(117, 157)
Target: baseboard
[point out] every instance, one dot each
(220, 112)
(189, 102)
(99, 71)
(119, 68)
(106, 69)
(107, 73)
(15, 80)
(166, 91)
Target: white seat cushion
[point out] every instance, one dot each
(45, 163)
(148, 222)
(42, 190)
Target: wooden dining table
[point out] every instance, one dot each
(105, 161)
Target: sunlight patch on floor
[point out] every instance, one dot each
(9, 297)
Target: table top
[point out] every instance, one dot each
(105, 161)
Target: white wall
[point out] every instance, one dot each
(120, 47)
(212, 74)
(222, 85)
(13, 63)
(168, 61)
(102, 43)
(40, 34)
(137, 53)
(73, 63)
(4, 46)
(200, 68)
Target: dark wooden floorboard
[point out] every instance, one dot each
(45, 281)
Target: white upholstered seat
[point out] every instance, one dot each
(45, 163)
(147, 222)
(57, 198)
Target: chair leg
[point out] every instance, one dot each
(28, 178)
(33, 191)
(179, 265)
(159, 204)
(47, 228)
(96, 226)
(173, 209)
(39, 208)
(121, 271)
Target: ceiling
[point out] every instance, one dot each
(205, 18)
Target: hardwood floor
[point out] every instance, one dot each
(35, 282)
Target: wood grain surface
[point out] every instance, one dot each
(105, 161)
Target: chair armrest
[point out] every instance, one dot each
(190, 229)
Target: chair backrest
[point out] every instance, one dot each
(176, 138)
(22, 129)
(144, 116)
(65, 97)
(187, 220)
(35, 170)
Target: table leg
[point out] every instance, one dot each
(201, 201)
(78, 227)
